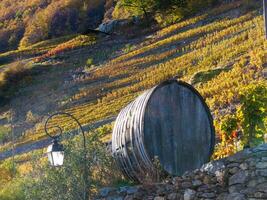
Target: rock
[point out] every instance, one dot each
(112, 25)
(176, 181)
(233, 165)
(262, 172)
(239, 157)
(105, 191)
(159, 198)
(222, 196)
(139, 195)
(234, 178)
(255, 181)
(262, 187)
(235, 188)
(260, 195)
(235, 196)
(173, 196)
(244, 166)
(202, 188)
(189, 194)
(262, 147)
(207, 180)
(261, 165)
(128, 190)
(208, 195)
(128, 197)
(131, 190)
(196, 183)
(114, 198)
(221, 177)
(248, 191)
(186, 184)
(213, 166)
(161, 191)
(233, 170)
(239, 177)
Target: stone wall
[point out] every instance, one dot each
(239, 177)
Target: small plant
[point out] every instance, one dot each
(30, 117)
(4, 134)
(228, 132)
(89, 62)
(128, 48)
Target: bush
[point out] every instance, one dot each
(128, 48)
(10, 79)
(251, 118)
(52, 183)
(4, 134)
(89, 62)
(253, 113)
(13, 190)
(169, 16)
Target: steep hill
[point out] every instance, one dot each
(25, 22)
(92, 77)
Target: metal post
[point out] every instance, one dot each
(86, 172)
(265, 17)
(13, 142)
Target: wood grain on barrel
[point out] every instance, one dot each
(177, 129)
(171, 122)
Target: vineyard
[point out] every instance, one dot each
(221, 53)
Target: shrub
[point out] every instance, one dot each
(10, 79)
(169, 16)
(251, 118)
(253, 112)
(13, 190)
(51, 183)
(4, 134)
(31, 118)
(89, 62)
(228, 135)
(128, 48)
(77, 42)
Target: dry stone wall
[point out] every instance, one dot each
(242, 176)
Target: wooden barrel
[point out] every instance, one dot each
(170, 122)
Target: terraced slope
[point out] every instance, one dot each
(220, 52)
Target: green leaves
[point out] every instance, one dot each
(69, 181)
(252, 113)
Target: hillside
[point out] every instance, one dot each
(25, 22)
(221, 52)
(93, 77)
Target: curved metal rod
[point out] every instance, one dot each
(54, 136)
(69, 115)
(86, 173)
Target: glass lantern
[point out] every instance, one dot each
(55, 153)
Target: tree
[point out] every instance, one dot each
(139, 7)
